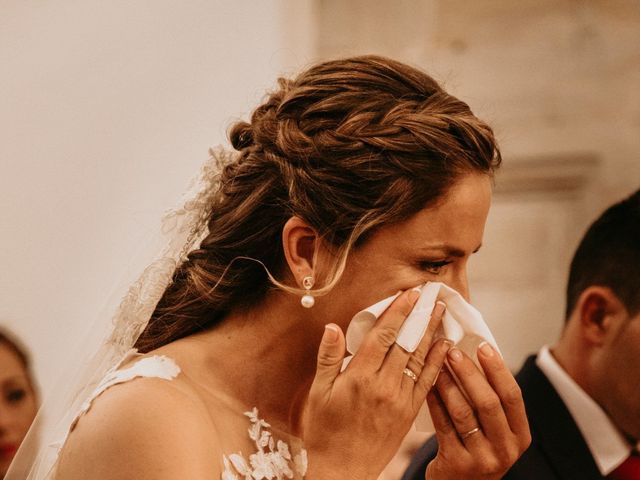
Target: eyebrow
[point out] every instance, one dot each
(450, 251)
(11, 379)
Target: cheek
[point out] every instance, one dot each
(622, 376)
(24, 414)
(373, 283)
(355, 292)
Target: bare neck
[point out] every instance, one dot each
(262, 358)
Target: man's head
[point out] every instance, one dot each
(609, 256)
(600, 346)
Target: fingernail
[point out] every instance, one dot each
(455, 355)
(330, 333)
(439, 309)
(436, 379)
(414, 293)
(486, 349)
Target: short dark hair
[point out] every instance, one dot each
(609, 256)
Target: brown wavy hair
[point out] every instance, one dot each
(349, 146)
(14, 345)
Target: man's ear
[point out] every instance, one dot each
(299, 242)
(598, 307)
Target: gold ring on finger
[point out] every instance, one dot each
(409, 373)
(469, 433)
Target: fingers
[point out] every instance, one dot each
(398, 358)
(480, 419)
(417, 358)
(446, 433)
(433, 365)
(483, 397)
(507, 390)
(383, 335)
(459, 410)
(330, 356)
(464, 448)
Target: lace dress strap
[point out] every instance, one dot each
(157, 366)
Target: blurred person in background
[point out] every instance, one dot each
(583, 395)
(19, 401)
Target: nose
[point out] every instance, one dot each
(459, 282)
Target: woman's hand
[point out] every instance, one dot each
(355, 420)
(480, 437)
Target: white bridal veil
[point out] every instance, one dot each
(117, 327)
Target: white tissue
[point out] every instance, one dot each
(462, 324)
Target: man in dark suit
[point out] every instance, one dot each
(583, 395)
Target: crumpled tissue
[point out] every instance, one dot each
(462, 324)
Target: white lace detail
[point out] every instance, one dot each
(157, 366)
(272, 459)
(183, 228)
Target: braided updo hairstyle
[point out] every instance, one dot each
(349, 146)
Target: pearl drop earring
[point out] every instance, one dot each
(307, 300)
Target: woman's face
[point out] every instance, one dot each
(18, 405)
(433, 245)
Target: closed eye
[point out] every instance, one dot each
(15, 396)
(435, 268)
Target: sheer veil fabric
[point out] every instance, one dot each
(115, 330)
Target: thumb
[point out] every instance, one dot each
(330, 357)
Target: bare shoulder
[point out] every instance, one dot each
(145, 428)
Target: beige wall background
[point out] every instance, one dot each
(108, 108)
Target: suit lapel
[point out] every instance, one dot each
(553, 428)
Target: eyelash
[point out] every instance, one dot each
(16, 396)
(435, 268)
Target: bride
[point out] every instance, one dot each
(355, 180)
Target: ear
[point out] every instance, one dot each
(299, 242)
(598, 309)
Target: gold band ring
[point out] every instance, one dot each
(469, 433)
(409, 373)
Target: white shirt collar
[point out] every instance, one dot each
(607, 445)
